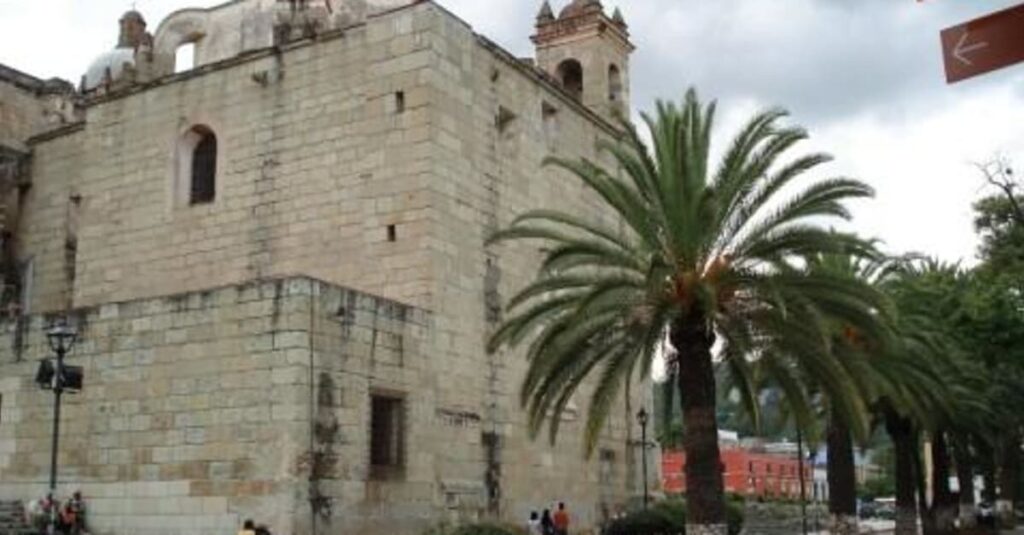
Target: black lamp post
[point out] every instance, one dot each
(55, 377)
(641, 417)
(812, 457)
(803, 485)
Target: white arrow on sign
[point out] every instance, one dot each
(962, 49)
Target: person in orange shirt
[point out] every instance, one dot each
(561, 520)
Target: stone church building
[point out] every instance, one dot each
(267, 222)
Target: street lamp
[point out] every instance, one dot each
(803, 485)
(641, 417)
(58, 378)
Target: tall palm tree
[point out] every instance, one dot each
(844, 407)
(699, 255)
(928, 387)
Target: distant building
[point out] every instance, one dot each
(768, 471)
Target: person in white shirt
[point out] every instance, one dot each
(533, 525)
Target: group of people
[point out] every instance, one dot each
(546, 523)
(70, 514)
(250, 528)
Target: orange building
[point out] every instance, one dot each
(747, 472)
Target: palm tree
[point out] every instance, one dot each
(843, 406)
(699, 255)
(927, 387)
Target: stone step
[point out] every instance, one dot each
(12, 519)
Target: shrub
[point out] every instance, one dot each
(668, 517)
(735, 515)
(673, 510)
(653, 521)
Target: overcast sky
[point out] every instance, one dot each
(865, 76)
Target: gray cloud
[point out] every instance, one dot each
(826, 60)
(823, 59)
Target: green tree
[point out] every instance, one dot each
(994, 324)
(699, 255)
(928, 390)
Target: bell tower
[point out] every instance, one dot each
(587, 51)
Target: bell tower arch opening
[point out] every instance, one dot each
(614, 84)
(570, 75)
(587, 51)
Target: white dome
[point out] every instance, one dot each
(113, 60)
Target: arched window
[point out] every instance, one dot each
(614, 84)
(570, 73)
(185, 57)
(197, 166)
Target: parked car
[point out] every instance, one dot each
(886, 511)
(868, 509)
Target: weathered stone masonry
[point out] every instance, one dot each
(233, 349)
(207, 407)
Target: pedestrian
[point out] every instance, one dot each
(35, 516)
(561, 520)
(262, 529)
(49, 508)
(533, 524)
(68, 521)
(248, 527)
(547, 525)
(76, 508)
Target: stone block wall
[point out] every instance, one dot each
(495, 124)
(410, 120)
(196, 411)
(312, 168)
(46, 227)
(21, 112)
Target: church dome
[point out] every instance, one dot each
(114, 60)
(133, 16)
(580, 7)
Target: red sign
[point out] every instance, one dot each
(983, 45)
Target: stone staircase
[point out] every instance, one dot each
(12, 519)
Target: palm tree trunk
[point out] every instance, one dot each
(927, 520)
(842, 477)
(965, 476)
(986, 456)
(987, 462)
(1009, 479)
(902, 433)
(943, 508)
(705, 490)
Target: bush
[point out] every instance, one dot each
(735, 515)
(653, 521)
(668, 517)
(673, 510)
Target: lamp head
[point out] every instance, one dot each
(641, 416)
(61, 336)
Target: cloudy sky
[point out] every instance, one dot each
(865, 76)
